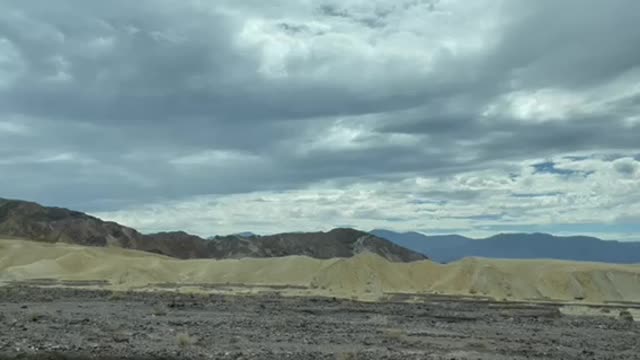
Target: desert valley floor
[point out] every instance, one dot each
(63, 323)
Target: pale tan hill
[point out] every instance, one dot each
(366, 276)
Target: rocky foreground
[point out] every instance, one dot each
(55, 323)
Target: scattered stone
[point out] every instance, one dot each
(255, 327)
(121, 337)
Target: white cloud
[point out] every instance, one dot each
(538, 105)
(355, 44)
(13, 128)
(352, 134)
(561, 104)
(48, 158)
(464, 203)
(221, 158)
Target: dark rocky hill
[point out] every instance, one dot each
(50, 224)
(28, 220)
(322, 245)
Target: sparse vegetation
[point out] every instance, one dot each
(478, 345)
(185, 340)
(379, 319)
(626, 316)
(35, 317)
(399, 336)
(394, 334)
(116, 295)
(159, 310)
(347, 356)
(121, 336)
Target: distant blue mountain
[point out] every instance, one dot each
(447, 248)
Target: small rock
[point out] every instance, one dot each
(79, 321)
(121, 338)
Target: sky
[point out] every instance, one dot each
(215, 117)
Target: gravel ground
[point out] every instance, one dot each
(56, 323)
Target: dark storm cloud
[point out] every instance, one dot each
(120, 91)
(141, 64)
(159, 65)
(570, 43)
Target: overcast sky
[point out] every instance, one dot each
(214, 117)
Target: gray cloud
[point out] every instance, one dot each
(114, 104)
(572, 44)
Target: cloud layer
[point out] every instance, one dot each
(296, 115)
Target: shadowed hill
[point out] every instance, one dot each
(51, 224)
(322, 245)
(28, 220)
(447, 248)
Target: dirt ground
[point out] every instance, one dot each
(56, 323)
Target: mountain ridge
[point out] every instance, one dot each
(29, 220)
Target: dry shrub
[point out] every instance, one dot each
(36, 316)
(347, 356)
(185, 340)
(394, 334)
(626, 316)
(116, 295)
(379, 320)
(159, 310)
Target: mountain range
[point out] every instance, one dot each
(29, 220)
(447, 248)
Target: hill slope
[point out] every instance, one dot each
(51, 224)
(32, 221)
(365, 276)
(447, 248)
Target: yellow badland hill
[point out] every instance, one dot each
(366, 276)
